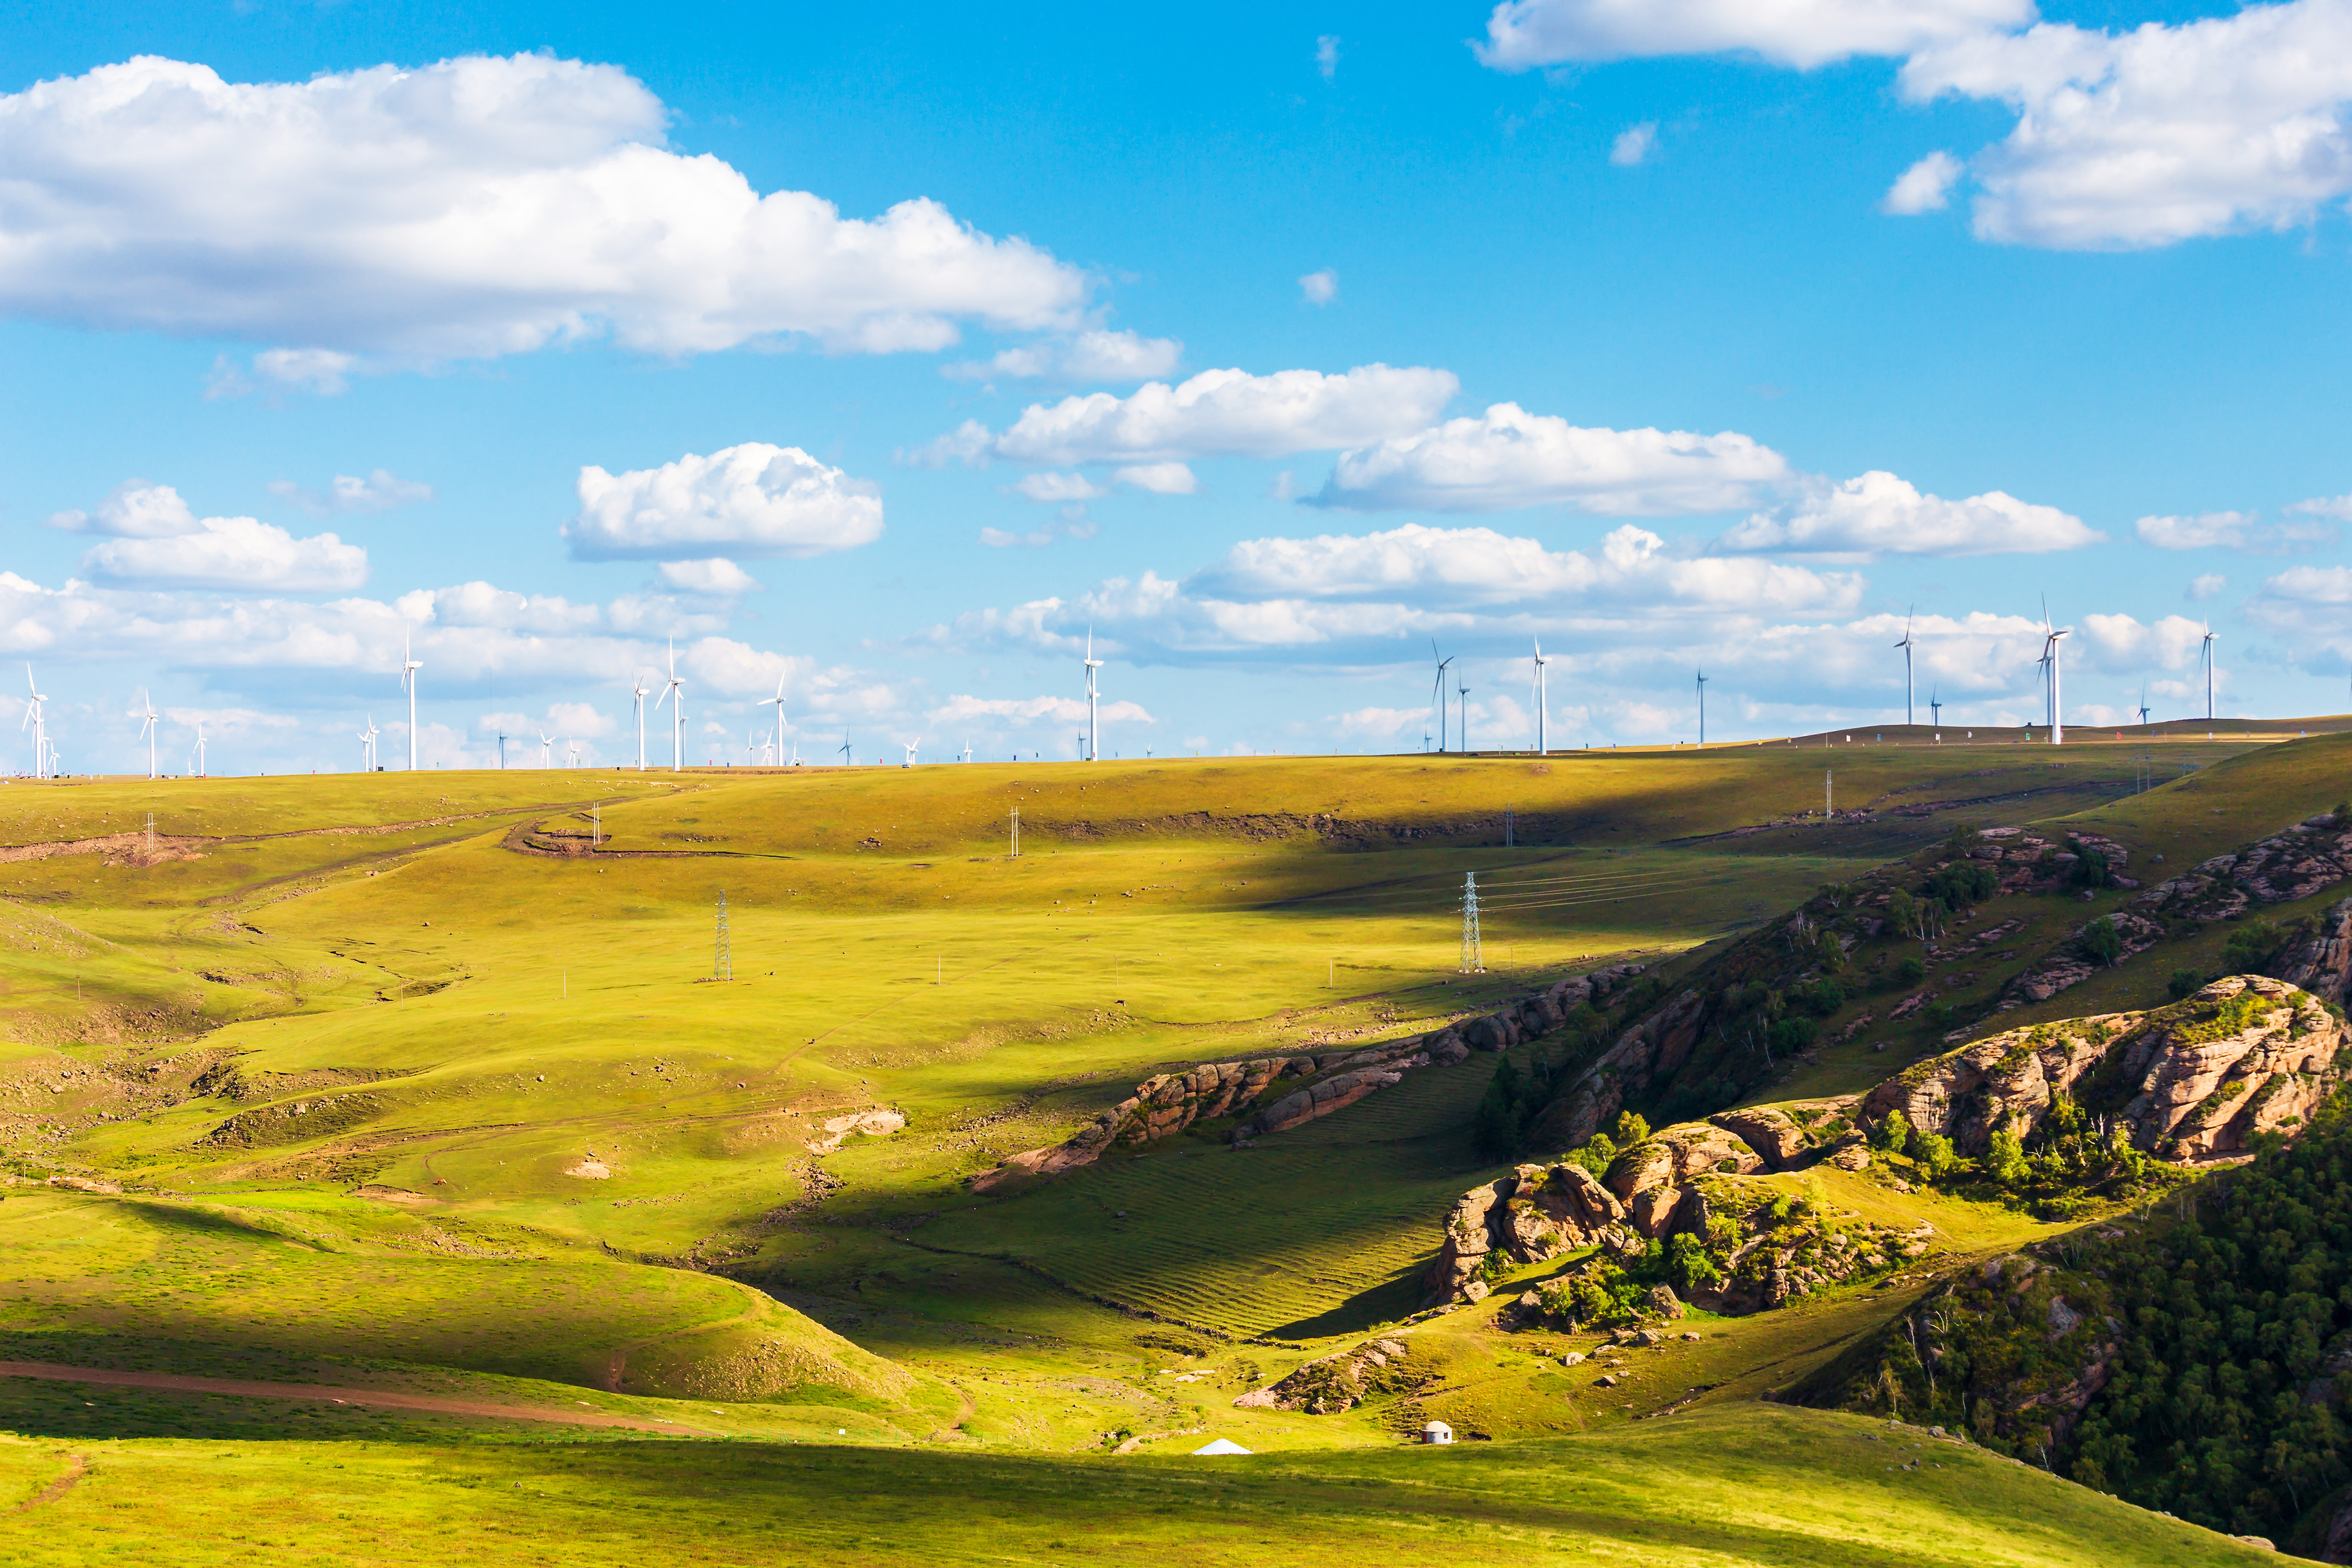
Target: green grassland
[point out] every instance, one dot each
(402, 1080)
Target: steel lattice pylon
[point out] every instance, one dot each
(1474, 958)
(722, 961)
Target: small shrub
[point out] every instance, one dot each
(1791, 1035)
(2250, 946)
(1892, 1133)
(2185, 981)
(2102, 943)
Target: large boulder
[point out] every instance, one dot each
(1772, 1134)
(2321, 963)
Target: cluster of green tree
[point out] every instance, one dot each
(1517, 1096)
(1600, 1150)
(2249, 950)
(2067, 1169)
(2225, 1336)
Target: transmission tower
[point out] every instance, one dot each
(1509, 827)
(722, 961)
(150, 832)
(1016, 834)
(1474, 958)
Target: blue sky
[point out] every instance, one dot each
(1273, 343)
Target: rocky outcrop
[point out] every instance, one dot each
(2028, 864)
(2321, 961)
(2308, 858)
(1648, 1053)
(2071, 966)
(294, 1122)
(1164, 1105)
(1530, 1215)
(1773, 1135)
(2245, 1055)
(1339, 1381)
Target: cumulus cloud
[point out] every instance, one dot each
(1049, 486)
(472, 208)
(2240, 532)
(1095, 356)
(322, 372)
(1217, 413)
(1072, 524)
(1319, 287)
(1508, 457)
(2159, 134)
(1925, 187)
(379, 492)
(2338, 508)
(158, 542)
(2309, 602)
(239, 554)
(749, 500)
(1879, 514)
(1522, 34)
(1159, 479)
(716, 577)
(1633, 144)
(2206, 585)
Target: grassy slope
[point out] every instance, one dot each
(1755, 1486)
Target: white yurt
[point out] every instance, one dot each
(1437, 1432)
(1222, 1445)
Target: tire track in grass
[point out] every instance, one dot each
(75, 1469)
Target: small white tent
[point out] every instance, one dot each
(1437, 1432)
(1222, 1445)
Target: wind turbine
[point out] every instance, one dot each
(572, 747)
(546, 750)
(33, 711)
(1094, 748)
(408, 668)
(1542, 749)
(967, 752)
(676, 689)
(2057, 690)
(779, 700)
(153, 722)
(2143, 704)
(2205, 648)
(1909, 690)
(369, 735)
(199, 772)
(639, 689)
(846, 760)
(1462, 731)
(1702, 708)
(1934, 708)
(1437, 695)
(910, 746)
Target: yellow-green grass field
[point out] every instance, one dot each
(404, 1082)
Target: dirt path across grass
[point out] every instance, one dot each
(57, 1488)
(388, 1398)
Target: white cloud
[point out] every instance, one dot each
(1319, 287)
(1382, 722)
(2338, 508)
(239, 554)
(1925, 187)
(379, 492)
(1033, 710)
(2206, 585)
(1159, 479)
(134, 510)
(472, 208)
(1633, 144)
(1507, 457)
(2232, 531)
(1218, 413)
(1074, 524)
(1094, 356)
(1460, 567)
(1879, 514)
(752, 500)
(2159, 134)
(1327, 55)
(716, 577)
(1048, 485)
(1522, 34)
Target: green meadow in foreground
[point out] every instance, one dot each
(431, 1085)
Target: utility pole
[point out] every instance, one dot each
(722, 961)
(1016, 835)
(1474, 957)
(1509, 825)
(1829, 798)
(1702, 710)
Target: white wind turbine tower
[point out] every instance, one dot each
(2205, 648)
(1542, 749)
(198, 771)
(779, 700)
(36, 710)
(1437, 694)
(1462, 731)
(639, 689)
(2057, 689)
(152, 722)
(572, 747)
(910, 746)
(1094, 749)
(408, 668)
(367, 748)
(2143, 704)
(1909, 690)
(546, 750)
(1702, 709)
(675, 694)
(967, 752)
